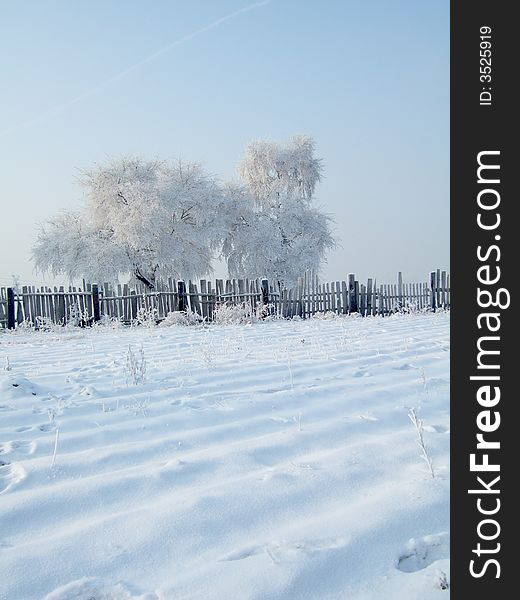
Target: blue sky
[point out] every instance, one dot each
(368, 80)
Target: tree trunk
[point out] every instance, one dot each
(149, 283)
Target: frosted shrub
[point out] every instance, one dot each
(236, 314)
(138, 407)
(16, 285)
(135, 366)
(269, 312)
(327, 316)
(146, 316)
(109, 322)
(410, 307)
(77, 317)
(26, 325)
(45, 324)
(441, 580)
(425, 455)
(180, 317)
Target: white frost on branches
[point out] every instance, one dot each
(278, 233)
(273, 172)
(147, 218)
(155, 219)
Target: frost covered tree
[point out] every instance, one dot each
(277, 233)
(148, 218)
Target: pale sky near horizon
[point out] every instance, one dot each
(86, 81)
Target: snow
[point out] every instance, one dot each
(267, 461)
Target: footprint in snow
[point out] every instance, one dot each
(222, 406)
(86, 391)
(362, 417)
(287, 474)
(17, 386)
(422, 552)
(46, 427)
(23, 429)
(19, 447)
(90, 588)
(284, 551)
(367, 418)
(11, 474)
(404, 367)
(363, 372)
(434, 382)
(284, 475)
(171, 468)
(279, 420)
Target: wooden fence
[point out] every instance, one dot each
(84, 305)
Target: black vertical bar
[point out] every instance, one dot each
(352, 301)
(264, 287)
(265, 292)
(95, 303)
(433, 302)
(183, 299)
(11, 317)
(484, 123)
(355, 297)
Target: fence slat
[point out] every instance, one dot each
(352, 299)
(10, 309)
(369, 297)
(183, 301)
(399, 290)
(432, 291)
(443, 289)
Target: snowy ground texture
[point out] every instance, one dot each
(266, 461)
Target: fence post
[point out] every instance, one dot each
(265, 292)
(61, 306)
(96, 313)
(133, 305)
(183, 300)
(444, 295)
(362, 298)
(194, 298)
(400, 302)
(299, 298)
(264, 286)
(432, 291)
(352, 296)
(10, 309)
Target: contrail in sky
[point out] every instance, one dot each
(49, 114)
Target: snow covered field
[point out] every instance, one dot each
(265, 461)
